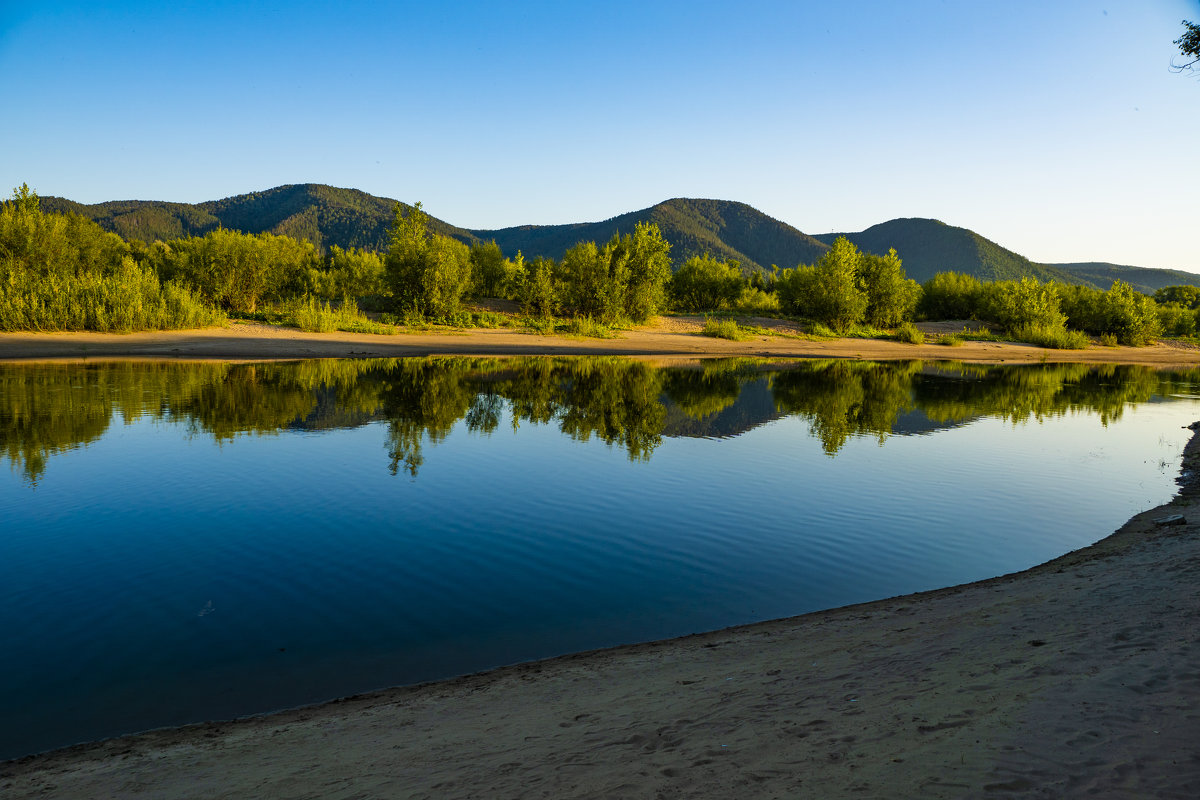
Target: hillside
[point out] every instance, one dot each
(1144, 279)
(929, 246)
(724, 228)
(324, 215)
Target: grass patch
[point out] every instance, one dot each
(950, 340)
(1109, 340)
(1054, 337)
(588, 327)
(907, 332)
(724, 329)
(316, 316)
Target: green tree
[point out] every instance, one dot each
(1187, 296)
(488, 270)
(1189, 45)
(950, 295)
(891, 297)
(539, 288)
(705, 283)
(426, 272)
(648, 268)
(836, 298)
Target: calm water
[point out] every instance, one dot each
(195, 541)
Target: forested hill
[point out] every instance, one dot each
(1144, 279)
(723, 228)
(929, 246)
(324, 215)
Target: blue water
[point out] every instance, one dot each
(158, 573)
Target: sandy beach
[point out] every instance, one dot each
(669, 338)
(1079, 677)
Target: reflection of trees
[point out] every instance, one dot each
(843, 398)
(49, 408)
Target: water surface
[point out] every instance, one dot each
(196, 541)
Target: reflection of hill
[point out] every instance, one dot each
(47, 409)
(754, 406)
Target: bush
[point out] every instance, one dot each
(704, 283)
(1054, 337)
(950, 295)
(723, 329)
(909, 333)
(757, 302)
(1176, 320)
(130, 299)
(950, 340)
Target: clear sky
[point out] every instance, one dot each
(1053, 128)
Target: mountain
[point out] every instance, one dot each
(1144, 279)
(929, 246)
(324, 215)
(724, 228)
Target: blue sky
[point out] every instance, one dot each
(1055, 129)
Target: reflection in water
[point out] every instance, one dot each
(50, 408)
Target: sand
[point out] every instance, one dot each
(668, 338)
(1080, 677)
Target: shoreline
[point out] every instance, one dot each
(1074, 677)
(671, 339)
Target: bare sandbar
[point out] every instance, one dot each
(670, 338)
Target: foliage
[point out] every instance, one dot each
(427, 273)
(539, 288)
(705, 283)
(828, 292)
(723, 329)
(237, 271)
(311, 314)
(1132, 317)
(1023, 303)
(891, 298)
(757, 302)
(909, 333)
(489, 271)
(348, 273)
(950, 295)
(1189, 45)
(625, 278)
(1175, 320)
(588, 327)
(1053, 336)
(63, 272)
(1186, 296)
(130, 298)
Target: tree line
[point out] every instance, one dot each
(61, 271)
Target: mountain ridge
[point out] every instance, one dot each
(327, 215)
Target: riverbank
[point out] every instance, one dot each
(1074, 678)
(670, 338)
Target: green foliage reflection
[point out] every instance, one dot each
(46, 409)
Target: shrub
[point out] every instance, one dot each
(723, 329)
(704, 283)
(950, 295)
(1054, 337)
(1176, 320)
(909, 333)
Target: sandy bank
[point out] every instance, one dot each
(1078, 677)
(672, 338)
